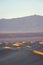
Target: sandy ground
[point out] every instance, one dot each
(20, 56)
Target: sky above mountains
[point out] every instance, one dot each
(20, 8)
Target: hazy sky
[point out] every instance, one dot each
(19, 8)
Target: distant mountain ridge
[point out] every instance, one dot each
(32, 23)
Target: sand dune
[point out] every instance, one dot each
(20, 56)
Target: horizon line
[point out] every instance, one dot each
(18, 32)
(21, 16)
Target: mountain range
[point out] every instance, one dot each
(33, 23)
